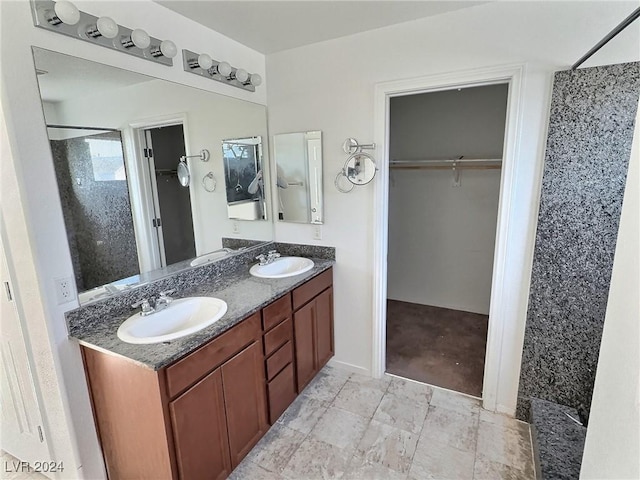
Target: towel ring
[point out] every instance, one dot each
(342, 183)
(209, 182)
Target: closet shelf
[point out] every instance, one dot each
(445, 164)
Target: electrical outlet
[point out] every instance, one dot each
(317, 232)
(64, 289)
(235, 228)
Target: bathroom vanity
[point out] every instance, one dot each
(162, 414)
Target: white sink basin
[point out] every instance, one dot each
(282, 267)
(182, 317)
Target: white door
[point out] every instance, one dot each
(20, 419)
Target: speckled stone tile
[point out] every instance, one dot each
(506, 446)
(378, 383)
(327, 383)
(436, 460)
(96, 325)
(275, 449)
(559, 440)
(316, 460)
(340, 428)
(588, 148)
(459, 430)
(388, 446)
(401, 412)
(359, 399)
(303, 414)
(297, 250)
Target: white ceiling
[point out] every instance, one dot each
(272, 26)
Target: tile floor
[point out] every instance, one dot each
(352, 427)
(356, 428)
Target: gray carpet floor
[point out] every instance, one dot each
(437, 346)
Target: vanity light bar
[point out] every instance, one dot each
(205, 66)
(63, 17)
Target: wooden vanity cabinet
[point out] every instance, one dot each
(313, 326)
(199, 417)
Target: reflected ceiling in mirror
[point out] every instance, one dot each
(117, 138)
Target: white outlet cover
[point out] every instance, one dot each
(65, 290)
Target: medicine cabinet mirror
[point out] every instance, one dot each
(133, 211)
(243, 178)
(299, 194)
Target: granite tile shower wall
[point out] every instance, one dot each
(97, 216)
(588, 149)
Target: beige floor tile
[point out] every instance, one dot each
(340, 428)
(435, 460)
(455, 401)
(506, 446)
(486, 469)
(327, 383)
(275, 449)
(388, 446)
(315, 460)
(502, 420)
(303, 414)
(452, 428)
(378, 383)
(360, 469)
(401, 412)
(358, 399)
(414, 391)
(249, 470)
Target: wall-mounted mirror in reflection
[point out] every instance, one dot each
(117, 138)
(298, 158)
(243, 177)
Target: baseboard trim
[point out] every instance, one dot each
(348, 366)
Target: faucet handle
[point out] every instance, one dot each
(166, 293)
(146, 306)
(262, 259)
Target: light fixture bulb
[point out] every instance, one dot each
(224, 69)
(168, 48)
(205, 61)
(107, 27)
(242, 75)
(67, 12)
(255, 79)
(140, 38)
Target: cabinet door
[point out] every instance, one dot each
(244, 385)
(324, 327)
(304, 333)
(200, 431)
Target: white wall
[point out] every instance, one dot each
(612, 446)
(329, 86)
(442, 237)
(210, 118)
(37, 242)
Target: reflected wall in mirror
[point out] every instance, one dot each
(243, 177)
(116, 139)
(298, 158)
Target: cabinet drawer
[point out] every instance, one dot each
(277, 336)
(313, 287)
(282, 391)
(274, 313)
(278, 360)
(196, 365)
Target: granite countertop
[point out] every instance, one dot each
(243, 293)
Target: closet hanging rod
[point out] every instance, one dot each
(459, 161)
(621, 26)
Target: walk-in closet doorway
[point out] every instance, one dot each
(445, 161)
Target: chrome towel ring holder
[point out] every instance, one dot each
(209, 182)
(359, 169)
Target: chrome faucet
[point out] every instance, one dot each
(271, 256)
(163, 301)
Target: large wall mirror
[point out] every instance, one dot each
(298, 158)
(139, 197)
